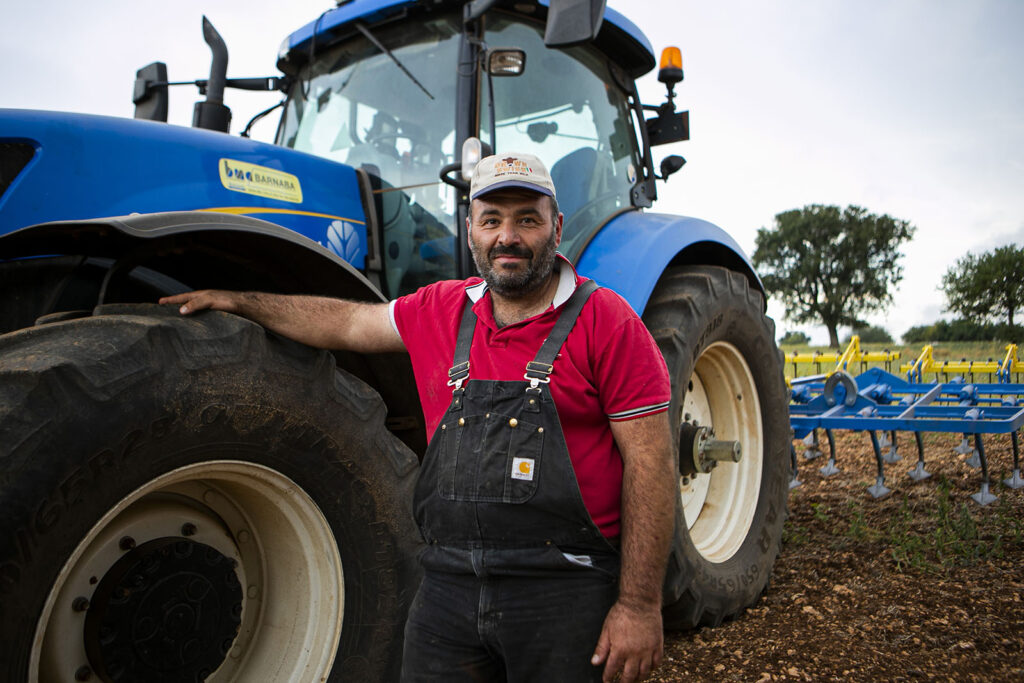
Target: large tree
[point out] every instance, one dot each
(988, 286)
(832, 265)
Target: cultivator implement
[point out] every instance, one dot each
(884, 404)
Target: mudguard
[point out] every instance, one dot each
(632, 250)
(200, 249)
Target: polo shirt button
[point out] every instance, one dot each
(513, 422)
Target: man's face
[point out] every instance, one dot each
(513, 236)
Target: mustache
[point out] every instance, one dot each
(511, 250)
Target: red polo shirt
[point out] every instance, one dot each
(609, 369)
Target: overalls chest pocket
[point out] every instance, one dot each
(493, 457)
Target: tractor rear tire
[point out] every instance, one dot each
(727, 375)
(193, 497)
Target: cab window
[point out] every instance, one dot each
(566, 109)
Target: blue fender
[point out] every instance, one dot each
(632, 250)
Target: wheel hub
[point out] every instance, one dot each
(168, 609)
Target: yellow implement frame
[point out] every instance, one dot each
(841, 361)
(926, 363)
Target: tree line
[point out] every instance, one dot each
(834, 266)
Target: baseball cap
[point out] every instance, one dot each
(512, 169)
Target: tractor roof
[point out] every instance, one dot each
(619, 38)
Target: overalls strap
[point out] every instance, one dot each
(540, 367)
(459, 371)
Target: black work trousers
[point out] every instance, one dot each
(514, 629)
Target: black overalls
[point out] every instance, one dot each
(518, 577)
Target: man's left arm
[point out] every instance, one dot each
(632, 639)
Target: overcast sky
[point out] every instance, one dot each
(906, 107)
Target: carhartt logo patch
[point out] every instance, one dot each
(522, 468)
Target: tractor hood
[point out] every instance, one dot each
(57, 166)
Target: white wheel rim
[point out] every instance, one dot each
(289, 568)
(719, 507)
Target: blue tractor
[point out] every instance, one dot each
(194, 498)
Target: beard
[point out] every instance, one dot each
(520, 283)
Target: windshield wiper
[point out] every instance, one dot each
(380, 46)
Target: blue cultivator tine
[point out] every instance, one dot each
(813, 449)
(982, 497)
(879, 489)
(830, 467)
(893, 454)
(883, 440)
(965, 446)
(793, 481)
(1015, 481)
(919, 472)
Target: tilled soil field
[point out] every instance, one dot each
(923, 584)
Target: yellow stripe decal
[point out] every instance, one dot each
(251, 210)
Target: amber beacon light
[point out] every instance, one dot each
(671, 68)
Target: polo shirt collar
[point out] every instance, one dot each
(567, 283)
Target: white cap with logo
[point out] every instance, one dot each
(513, 169)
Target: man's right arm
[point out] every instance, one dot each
(322, 322)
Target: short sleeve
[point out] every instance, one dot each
(632, 377)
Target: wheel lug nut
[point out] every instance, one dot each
(126, 543)
(80, 604)
(188, 529)
(84, 673)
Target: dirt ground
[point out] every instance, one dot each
(923, 584)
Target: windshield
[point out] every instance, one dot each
(566, 109)
(355, 105)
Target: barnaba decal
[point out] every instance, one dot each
(240, 176)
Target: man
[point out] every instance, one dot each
(546, 494)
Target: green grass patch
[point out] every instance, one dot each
(933, 537)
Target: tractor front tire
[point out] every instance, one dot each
(726, 375)
(196, 499)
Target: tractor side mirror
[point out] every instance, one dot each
(670, 165)
(150, 93)
(571, 22)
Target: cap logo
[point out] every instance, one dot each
(511, 166)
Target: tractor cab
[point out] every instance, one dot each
(400, 96)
